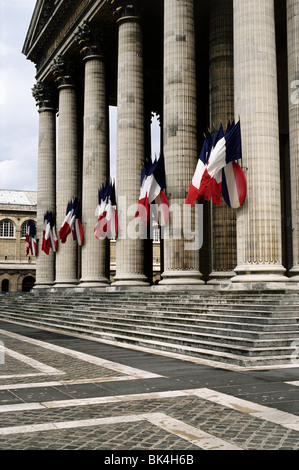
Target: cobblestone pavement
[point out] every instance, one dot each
(59, 392)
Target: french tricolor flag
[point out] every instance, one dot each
(31, 243)
(65, 228)
(234, 185)
(76, 225)
(72, 223)
(208, 181)
(193, 193)
(153, 184)
(49, 234)
(107, 224)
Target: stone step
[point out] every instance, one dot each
(226, 320)
(57, 321)
(206, 349)
(240, 329)
(193, 331)
(182, 305)
(221, 328)
(218, 315)
(158, 296)
(183, 297)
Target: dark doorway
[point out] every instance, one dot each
(27, 284)
(5, 285)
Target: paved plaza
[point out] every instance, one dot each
(60, 392)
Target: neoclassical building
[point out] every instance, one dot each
(195, 64)
(17, 267)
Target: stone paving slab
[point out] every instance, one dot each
(75, 394)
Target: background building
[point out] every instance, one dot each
(17, 269)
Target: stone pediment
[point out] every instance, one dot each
(48, 24)
(40, 16)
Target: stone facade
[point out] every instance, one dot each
(17, 269)
(196, 65)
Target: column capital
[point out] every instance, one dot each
(62, 71)
(124, 9)
(44, 95)
(90, 39)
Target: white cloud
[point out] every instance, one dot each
(18, 117)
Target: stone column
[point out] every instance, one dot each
(46, 179)
(181, 264)
(95, 156)
(223, 218)
(130, 270)
(293, 77)
(67, 171)
(259, 244)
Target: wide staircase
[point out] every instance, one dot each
(239, 328)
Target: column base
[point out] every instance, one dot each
(128, 280)
(65, 284)
(221, 277)
(42, 286)
(99, 283)
(265, 274)
(294, 274)
(181, 278)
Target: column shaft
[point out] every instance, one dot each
(256, 104)
(95, 171)
(223, 230)
(46, 178)
(130, 150)
(67, 183)
(46, 192)
(181, 264)
(293, 74)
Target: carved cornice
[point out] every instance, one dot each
(49, 30)
(63, 71)
(44, 95)
(89, 39)
(124, 8)
(48, 8)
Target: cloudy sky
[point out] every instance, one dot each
(18, 112)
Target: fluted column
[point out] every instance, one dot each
(67, 171)
(223, 218)
(259, 244)
(181, 264)
(293, 74)
(130, 270)
(46, 178)
(95, 156)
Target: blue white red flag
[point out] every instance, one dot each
(207, 181)
(193, 193)
(72, 223)
(234, 186)
(77, 229)
(65, 228)
(152, 191)
(49, 234)
(107, 224)
(31, 243)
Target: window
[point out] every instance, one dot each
(6, 228)
(156, 234)
(24, 228)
